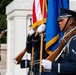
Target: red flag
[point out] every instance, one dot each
(37, 13)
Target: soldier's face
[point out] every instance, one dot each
(62, 23)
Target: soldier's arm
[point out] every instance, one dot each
(29, 44)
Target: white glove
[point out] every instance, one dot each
(31, 31)
(46, 64)
(15, 61)
(41, 28)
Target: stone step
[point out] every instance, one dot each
(2, 71)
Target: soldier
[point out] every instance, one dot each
(66, 62)
(33, 40)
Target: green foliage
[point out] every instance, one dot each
(3, 22)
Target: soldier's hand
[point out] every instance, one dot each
(46, 64)
(41, 28)
(31, 32)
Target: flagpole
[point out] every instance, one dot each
(41, 47)
(41, 50)
(32, 54)
(32, 60)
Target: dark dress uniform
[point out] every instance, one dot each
(34, 41)
(66, 65)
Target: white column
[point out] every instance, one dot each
(18, 13)
(72, 5)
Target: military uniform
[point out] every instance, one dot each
(34, 41)
(66, 65)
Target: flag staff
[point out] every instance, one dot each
(41, 42)
(32, 55)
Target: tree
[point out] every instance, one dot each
(3, 23)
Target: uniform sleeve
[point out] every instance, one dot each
(70, 65)
(25, 63)
(29, 44)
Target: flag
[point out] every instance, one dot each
(52, 28)
(37, 12)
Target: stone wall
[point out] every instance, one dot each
(3, 48)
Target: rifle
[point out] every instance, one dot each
(64, 40)
(18, 58)
(1, 34)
